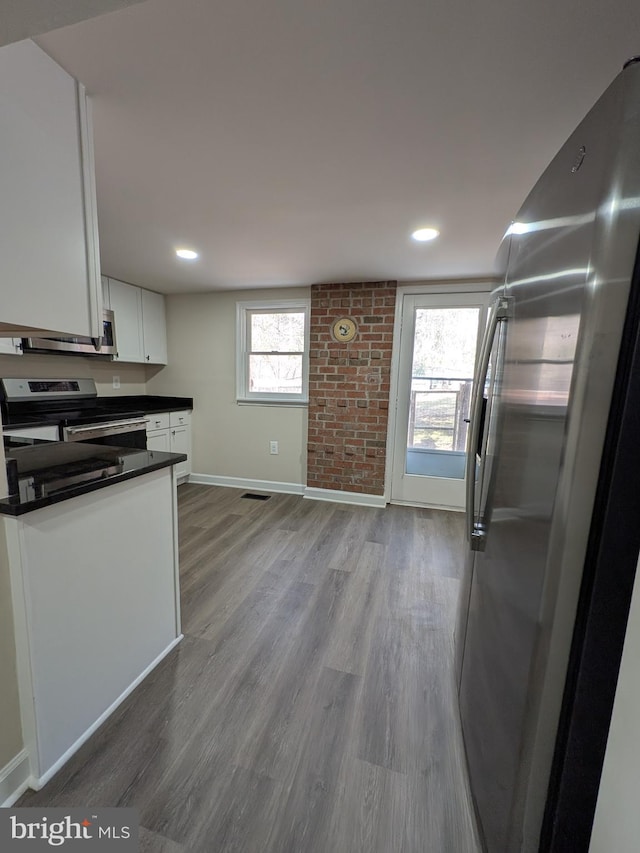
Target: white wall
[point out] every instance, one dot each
(132, 376)
(616, 827)
(228, 440)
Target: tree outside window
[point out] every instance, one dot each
(272, 351)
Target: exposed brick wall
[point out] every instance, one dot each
(349, 387)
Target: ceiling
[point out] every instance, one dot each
(298, 141)
(22, 19)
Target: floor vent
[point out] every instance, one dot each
(252, 497)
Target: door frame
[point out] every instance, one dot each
(418, 288)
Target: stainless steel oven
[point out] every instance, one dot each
(72, 405)
(128, 432)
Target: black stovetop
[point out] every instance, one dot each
(67, 416)
(85, 409)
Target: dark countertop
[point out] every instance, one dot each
(150, 404)
(55, 471)
(25, 421)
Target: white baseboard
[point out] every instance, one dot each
(333, 495)
(337, 496)
(243, 483)
(14, 779)
(38, 783)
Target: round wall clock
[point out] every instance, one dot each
(344, 329)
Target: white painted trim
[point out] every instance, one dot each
(38, 783)
(243, 310)
(244, 483)
(85, 122)
(393, 394)
(443, 507)
(475, 285)
(289, 489)
(479, 285)
(14, 779)
(341, 497)
(176, 550)
(447, 291)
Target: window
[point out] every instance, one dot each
(272, 351)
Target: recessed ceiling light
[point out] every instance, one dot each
(424, 234)
(518, 228)
(186, 254)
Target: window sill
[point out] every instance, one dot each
(293, 404)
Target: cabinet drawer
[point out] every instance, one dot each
(159, 421)
(179, 418)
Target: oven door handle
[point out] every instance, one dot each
(111, 428)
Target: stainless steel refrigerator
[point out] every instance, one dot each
(553, 489)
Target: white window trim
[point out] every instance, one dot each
(243, 396)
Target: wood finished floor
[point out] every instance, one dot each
(310, 707)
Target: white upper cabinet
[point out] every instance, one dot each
(154, 327)
(49, 265)
(139, 316)
(10, 346)
(126, 304)
(106, 298)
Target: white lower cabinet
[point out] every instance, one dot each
(158, 440)
(159, 421)
(171, 431)
(94, 581)
(180, 442)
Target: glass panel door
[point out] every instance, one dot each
(444, 349)
(438, 347)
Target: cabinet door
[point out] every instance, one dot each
(126, 304)
(106, 299)
(49, 235)
(10, 346)
(154, 326)
(181, 443)
(158, 439)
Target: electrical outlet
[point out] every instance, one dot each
(273, 448)
(116, 381)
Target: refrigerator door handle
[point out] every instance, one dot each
(475, 530)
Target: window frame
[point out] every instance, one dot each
(244, 312)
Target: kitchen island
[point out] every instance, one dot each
(92, 542)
